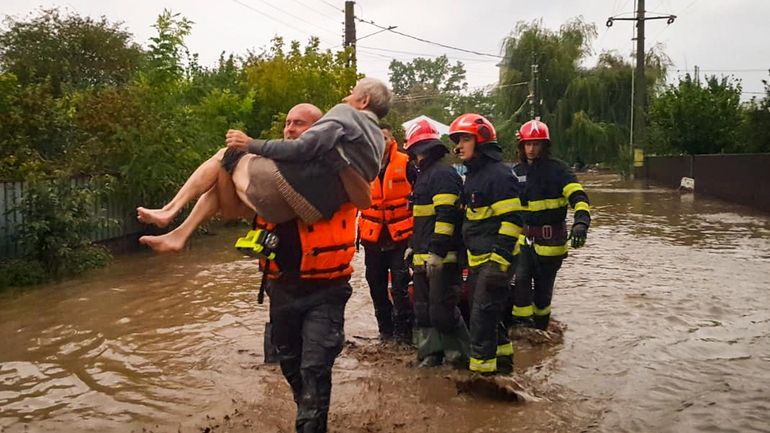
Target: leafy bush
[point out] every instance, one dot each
(60, 219)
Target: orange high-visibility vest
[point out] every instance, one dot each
(390, 202)
(327, 246)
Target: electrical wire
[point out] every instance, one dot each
(298, 18)
(335, 19)
(251, 8)
(423, 54)
(332, 6)
(390, 29)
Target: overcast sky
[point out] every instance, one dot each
(719, 36)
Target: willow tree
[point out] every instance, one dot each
(588, 109)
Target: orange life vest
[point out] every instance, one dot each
(327, 246)
(390, 202)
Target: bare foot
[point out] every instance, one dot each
(168, 243)
(158, 217)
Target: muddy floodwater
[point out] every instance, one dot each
(666, 315)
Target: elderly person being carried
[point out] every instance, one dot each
(309, 178)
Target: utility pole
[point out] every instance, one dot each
(697, 75)
(639, 85)
(640, 95)
(532, 88)
(350, 31)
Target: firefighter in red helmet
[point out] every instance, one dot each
(440, 332)
(490, 232)
(547, 187)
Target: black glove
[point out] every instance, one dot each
(578, 235)
(492, 275)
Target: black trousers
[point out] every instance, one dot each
(395, 317)
(435, 300)
(307, 332)
(487, 329)
(535, 278)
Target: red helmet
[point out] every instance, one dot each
(534, 130)
(419, 131)
(474, 124)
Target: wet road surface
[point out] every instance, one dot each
(666, 310)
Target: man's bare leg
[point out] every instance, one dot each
(231, 205)
(176, 239)
(223, 197)
(202, 179)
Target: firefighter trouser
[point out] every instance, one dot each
(396, 317)
(307, 332)
(491, 351)
(444, 333)
(533, 288)
(435, 301)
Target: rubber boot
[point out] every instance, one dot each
(429, 350)
(521, 322)
(541, 322)
(505, 365)
(457, 346)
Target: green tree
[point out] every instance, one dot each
(280, 79)
(68, 51)
(432, 87)
(696, 118)
(755, 130)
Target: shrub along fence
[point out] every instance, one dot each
(109, 208)
(740, 178)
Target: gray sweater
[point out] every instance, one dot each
(354, 135)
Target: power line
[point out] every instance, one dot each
(478, 53)
(336, 19)
(247, 6)
(336, 8)
(423, 54)
(297, 17)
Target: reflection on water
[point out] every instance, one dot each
(666, 308)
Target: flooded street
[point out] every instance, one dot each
(667, 317)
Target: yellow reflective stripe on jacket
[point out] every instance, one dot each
(571, 188)
(444, 228)
(510, 229)
(445, 199)
(419, 259)
(542, 312)
(483, 365)
(505, 206)
(581, 205)
(479, 259)
(523, 311)
(421, 210)
(549, 203)
(549, 251)
(504, 349)
(497, 258)
(475, 260)
(479, 213)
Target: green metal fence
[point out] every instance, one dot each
(12, 219)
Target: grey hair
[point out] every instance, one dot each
(380, 97)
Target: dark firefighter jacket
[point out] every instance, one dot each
(547, 186)
(492, 222)
(436, 209)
